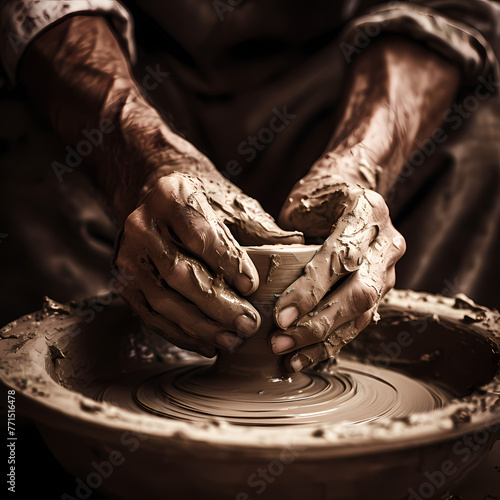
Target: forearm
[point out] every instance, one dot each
(396, 96)
(79, 77)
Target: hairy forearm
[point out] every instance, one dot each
(396, 96)
(79, 77)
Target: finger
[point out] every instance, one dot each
(211, 294)
(305, 357)
(253, 226)
(313, 354)
(342, 253)
(168, 330)
(389, 243)
(186, 275)
(171, 332)
(356, 296)
(398, 246)
(181, 207)
(185, 315)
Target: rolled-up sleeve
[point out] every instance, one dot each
(21, 21)
(457, 30)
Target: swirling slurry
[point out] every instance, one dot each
(355, 393)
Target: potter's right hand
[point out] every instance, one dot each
(189, 268)
(187, 265)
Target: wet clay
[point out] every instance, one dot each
(249, 385)
(253, 362)
(352, 394)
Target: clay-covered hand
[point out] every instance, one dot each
(177, 243)
(389, 108)
(189, 268)
(338, 293)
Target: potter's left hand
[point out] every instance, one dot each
(395, 96)
(357, 259)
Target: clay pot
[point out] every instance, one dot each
(278, 267)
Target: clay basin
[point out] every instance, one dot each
(59, 358)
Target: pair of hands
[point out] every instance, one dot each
(183, 241)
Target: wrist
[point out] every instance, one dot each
(397, 94)
(169, 161)
(141, 150)
(356, 166)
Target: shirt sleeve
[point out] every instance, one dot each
(21, 21)
(454, 29)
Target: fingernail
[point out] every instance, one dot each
(298, 363)
(282, 343)
(243, 283)
(227, 340)
(287, 316)
(245, 325)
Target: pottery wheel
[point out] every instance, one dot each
(353, 393)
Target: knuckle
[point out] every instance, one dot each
(202, 240)
(400, 243)
(378, 203)
(133, 224)
(331, 347)
(165, 185)
(364, 297)
(351, 258)
(123, 261)
(376, 199)
(363, 321)
(175, 182)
